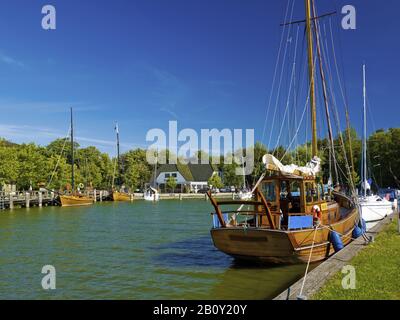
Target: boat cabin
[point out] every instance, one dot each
(283, 201)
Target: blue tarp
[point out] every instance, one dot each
(216, 223)
(299, 222)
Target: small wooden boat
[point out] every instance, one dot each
(74, 199)
(121, 196)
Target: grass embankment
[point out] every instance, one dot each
(377, 271)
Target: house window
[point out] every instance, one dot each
(174, 175)
(167, 175)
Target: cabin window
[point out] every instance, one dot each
(311, 192)
(268, 189)
(321, 195)
(284, 190)
(295, 189)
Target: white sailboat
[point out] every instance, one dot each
(373, 207)
(244, 194)
(151, 193)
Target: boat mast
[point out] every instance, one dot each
(72, 154)
(118, 164)
(364, 164)
(311, 77)
(155, 171)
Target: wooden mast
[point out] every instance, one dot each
(72, 154)
(311, 77)
(118, 160)
(325, 92)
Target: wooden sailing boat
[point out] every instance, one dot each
(290, 220)
(118, 195)
(74, 199)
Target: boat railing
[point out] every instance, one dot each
(264, 210)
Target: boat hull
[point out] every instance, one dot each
(121, 196)
(152, 197)
(282, 247)
(374, 211)
(72, 201)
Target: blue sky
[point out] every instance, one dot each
(206, 64)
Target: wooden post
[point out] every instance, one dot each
(27, 199)
(180, 196)
(398, 215)
(40, 196)
(94, 195)
(101, 195)
(217, 210)
(131, 196)
(267, 211)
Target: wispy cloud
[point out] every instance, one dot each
(26, 133)
(46, 106)
(10, 60)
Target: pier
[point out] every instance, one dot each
(26, 199)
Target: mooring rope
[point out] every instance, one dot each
(308, 262)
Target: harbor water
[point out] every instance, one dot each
(139, 250)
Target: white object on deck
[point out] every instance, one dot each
(311, 168)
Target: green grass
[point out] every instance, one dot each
(377, 271)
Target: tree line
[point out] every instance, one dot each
(30, 165)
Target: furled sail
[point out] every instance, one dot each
(310, 169)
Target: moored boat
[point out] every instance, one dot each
(121, 196)
(373, 207)
(285, 229)
(117, 190)
(292, 219)
(74, 199)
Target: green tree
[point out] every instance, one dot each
(171, 183)
(215, 181)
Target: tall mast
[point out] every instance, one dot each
(349, 140)
(311, 77)
(155, 170)
(72, 154)
(325, 94)
(118, 161)
(364, 134)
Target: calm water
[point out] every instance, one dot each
(137, 250)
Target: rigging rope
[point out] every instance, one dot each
(59, 158)
(275, 71)
(281, 77)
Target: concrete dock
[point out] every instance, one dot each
(327, 269)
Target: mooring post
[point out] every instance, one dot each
(131, 197)
(101, 195)
(180, 196)
(27, 199)
(40, 198)
(398, 215)
(94, 195)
